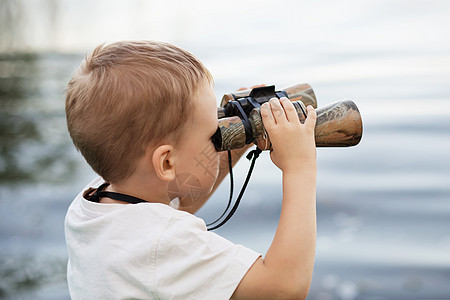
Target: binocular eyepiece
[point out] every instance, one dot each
(338, 124)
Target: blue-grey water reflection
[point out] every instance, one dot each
(383, 206)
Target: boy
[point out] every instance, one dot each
(142, 114)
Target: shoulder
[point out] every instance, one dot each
(194, 256)
(128, 220)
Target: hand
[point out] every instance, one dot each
(293, 143)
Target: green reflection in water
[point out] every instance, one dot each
(15, 128)
(21, 275)
(35, 150)
(33, 139)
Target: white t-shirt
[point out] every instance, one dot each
(148, 251)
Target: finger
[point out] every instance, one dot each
(290, 111)
(277, 110)
(267, 116)
(312, 117)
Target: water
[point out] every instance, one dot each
(383, 206)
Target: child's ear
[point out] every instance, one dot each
(163, 162)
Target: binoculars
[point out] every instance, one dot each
(338, 124)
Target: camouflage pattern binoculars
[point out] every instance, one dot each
(338, 124)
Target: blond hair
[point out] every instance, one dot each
(126, 96)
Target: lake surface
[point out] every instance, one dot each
(383, 206)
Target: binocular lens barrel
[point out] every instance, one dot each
(300, 91)
(339, 124)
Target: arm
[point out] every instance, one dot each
(286, 271)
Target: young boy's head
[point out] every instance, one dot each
(128, 97)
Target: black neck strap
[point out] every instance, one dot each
(252, 155)
(99, 193)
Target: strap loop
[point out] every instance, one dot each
(231, 191)
(252, 155)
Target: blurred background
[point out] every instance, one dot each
(383, 206)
